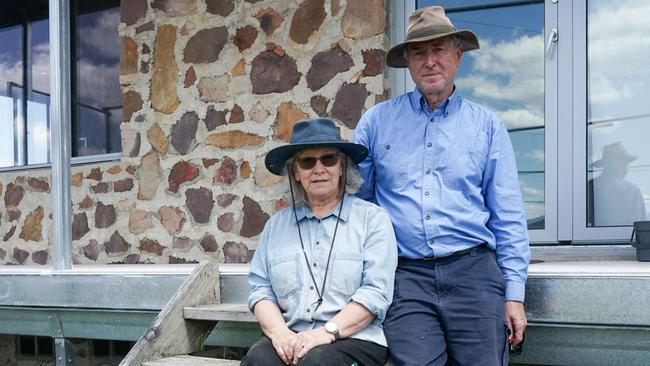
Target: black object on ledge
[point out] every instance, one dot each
(641, 230)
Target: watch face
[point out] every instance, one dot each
(331, 327)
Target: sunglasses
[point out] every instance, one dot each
(309, 162)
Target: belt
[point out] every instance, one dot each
(454, 254)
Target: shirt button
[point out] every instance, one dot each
(317, 242)
(433, 119)
(429, 144)
(428, 171)
(426, 193)
(308, 310)
(387, 147)
(314, 264)
(431, 241)
(311, 287)
(427, 217)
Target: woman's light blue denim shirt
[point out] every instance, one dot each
(362, 267)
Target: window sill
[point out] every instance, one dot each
(583, 253)
(76, 161)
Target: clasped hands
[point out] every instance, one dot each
(292, 346)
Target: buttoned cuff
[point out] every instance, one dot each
(515, 291)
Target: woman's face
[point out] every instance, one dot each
(320, 181)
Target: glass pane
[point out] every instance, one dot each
(507, 75)
(38, 105)
(24, 88)
(99, 108)
(618, 112)
(11, 75)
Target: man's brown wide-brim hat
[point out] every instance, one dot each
(426, 24)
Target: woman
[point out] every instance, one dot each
(322, 275)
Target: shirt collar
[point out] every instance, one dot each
(303, 212)
(451, 105)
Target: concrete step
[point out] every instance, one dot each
(186, 360)
(218, 312)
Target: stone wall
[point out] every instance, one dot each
(209, 87)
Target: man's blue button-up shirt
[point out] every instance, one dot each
(448, 179)
(362, 267)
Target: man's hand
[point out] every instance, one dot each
(309, 339)
(516, 321)
(283, 344)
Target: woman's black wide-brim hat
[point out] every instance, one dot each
(313, 133)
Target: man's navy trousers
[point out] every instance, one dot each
(448, 311)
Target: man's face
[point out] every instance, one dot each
(433, 65)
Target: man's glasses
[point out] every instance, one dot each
(309, 162)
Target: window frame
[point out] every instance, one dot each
(581, 232)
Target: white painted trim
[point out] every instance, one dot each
(551, 108)
(75, 161)
(400, 79)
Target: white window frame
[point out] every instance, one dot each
(582, 233)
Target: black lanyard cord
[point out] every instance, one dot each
(320, 292)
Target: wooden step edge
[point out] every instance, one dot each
(220, 312)
(186, 360)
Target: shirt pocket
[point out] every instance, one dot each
(285, 275)
(463, 168)
(391, 165)
(347, 270)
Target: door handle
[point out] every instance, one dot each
(552, 38)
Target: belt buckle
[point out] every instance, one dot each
(428, 259)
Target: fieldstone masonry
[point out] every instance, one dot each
(209, 87)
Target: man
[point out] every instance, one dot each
(444, 169)
(614, 199)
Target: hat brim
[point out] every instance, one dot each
(624, 159)
(395, 56)
(277, 157)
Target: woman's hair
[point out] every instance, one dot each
(352, 182)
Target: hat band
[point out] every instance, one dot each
(316, 139)
(431, 31)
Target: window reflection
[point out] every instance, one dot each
(25, 81)
(38, 105)
(618, 114)
(507, 75)
(24, 126)
(99, 99)
(11, 71)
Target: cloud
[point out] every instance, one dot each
(618, 43)
(509, 71)
(10, 72)
(532, 197)
(520, 118)
(530, 192)
(508, 76)
(536, 155)
(534, 210)
(100, 87)
(100, 39)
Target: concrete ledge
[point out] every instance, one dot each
(582, 312)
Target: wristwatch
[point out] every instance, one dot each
(333, 329)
